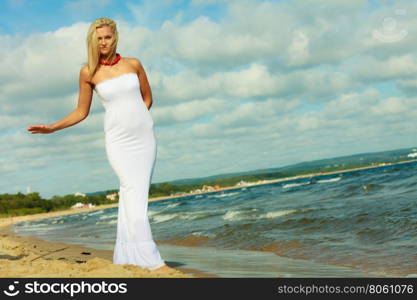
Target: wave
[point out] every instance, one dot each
(195, 216)
(235, 215)
(276, 214)
(172, 205)
(26, 224)
(291, 185)
(182, 216)
(226, 194)
(100, 211)
(159, 217)
(329, 180)
(61, 221)
(202, 234)
(108, 216)
(243, 215)
(152, 213)
(114, 221)
(163, 218)
(371, 187)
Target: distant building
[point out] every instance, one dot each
(82, 205)
(412, 154)
(79, 194)
(207, 188)
(242, 183)
(78, 205)
(112, 196)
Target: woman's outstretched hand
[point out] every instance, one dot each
(43, 128)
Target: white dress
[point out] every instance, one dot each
(131, 150)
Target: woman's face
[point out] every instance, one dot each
(105, 38)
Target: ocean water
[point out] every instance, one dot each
(358, 223)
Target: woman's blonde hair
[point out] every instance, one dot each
(92, 43)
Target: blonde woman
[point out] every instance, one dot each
(122, 86)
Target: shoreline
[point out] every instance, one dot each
(26, 256)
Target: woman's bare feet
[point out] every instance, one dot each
(165, 268)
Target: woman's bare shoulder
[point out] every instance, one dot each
(84, 70)
(85, 73)
(134, 62)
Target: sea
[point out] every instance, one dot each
(360, 223)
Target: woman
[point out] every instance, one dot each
(123, 88)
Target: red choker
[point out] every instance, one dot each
(106, 63)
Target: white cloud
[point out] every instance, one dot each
(187, 111)
(298, 51)
(392, 105)
(395, 67)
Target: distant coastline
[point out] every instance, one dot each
(7, 220)
(263, 182)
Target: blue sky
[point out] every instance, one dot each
(48, 15)
(237, 85)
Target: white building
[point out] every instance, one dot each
(82, 205)
(242, 183)
(78, 205)
(112, 196)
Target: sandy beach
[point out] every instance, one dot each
(31, 257)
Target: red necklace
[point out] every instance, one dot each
(106, 63)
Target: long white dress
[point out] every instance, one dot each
(131, 150)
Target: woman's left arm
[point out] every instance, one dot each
(145, 88)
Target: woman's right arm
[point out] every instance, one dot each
(78, 114)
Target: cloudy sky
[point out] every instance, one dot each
(237, 85)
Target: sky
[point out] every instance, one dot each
(237, 85)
